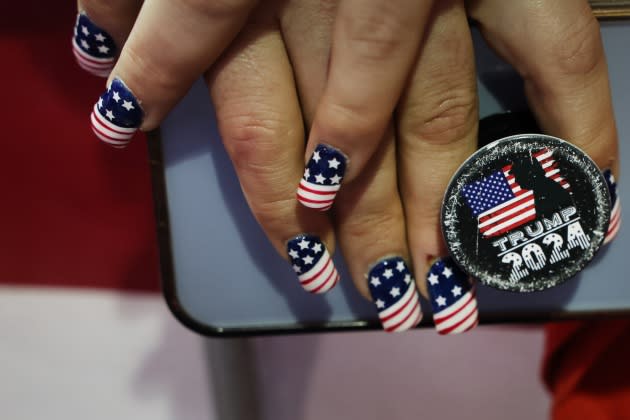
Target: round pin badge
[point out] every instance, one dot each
(525, 213)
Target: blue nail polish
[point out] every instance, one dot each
(394, 293)
(615, 206)
(322, 178)
(452, 298)
(93, 48)
(117, 115)
(312, 263)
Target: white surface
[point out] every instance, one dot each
(69, 354)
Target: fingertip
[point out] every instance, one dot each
(94, 48)
(117, 115)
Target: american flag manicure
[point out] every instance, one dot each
(452, 298)
(394, 293)
(93, 48)
(322, 178)
(312, 263)
(615, 212)
(117, 115)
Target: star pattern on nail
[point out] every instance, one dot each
(323, 174)
(394, 294)
(127, 105)
(452, 297)
(317, 272)
(433, 279)
(112, 122)
(93, 42)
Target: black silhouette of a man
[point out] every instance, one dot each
(549, 195)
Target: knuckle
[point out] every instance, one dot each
(577, 46)
(372, 36)
(217, 9)
(442, 117)
(358, 120)
(251, 141)
(272, 214)
(379, 225)
(146, 75)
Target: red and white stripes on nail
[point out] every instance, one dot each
(394, 293)
(95, 65)
(322, 178)
(312, 263)
(615, 212)
(322, 277)
(404, 314)
(615, 222)
(460, 317)
(320, 197)
(116, 136)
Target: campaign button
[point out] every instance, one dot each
(525, 213)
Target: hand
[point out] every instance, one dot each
(254, 91)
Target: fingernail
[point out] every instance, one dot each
(93, 48)
(452, 298)
(394, 293)
(322, 178)
(117, 115)
(312, 263)
(615, 203)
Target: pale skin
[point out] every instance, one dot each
(392, 84)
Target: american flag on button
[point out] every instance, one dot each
(498, 201)
(116, 116)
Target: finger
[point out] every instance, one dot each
(307, 27)
(100, 29)
(374, 45)
(171, 44)
(369, 218)
(437, 126)
(566, 80)
(369, 222)
(261, 125)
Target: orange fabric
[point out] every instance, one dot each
(587, 371)
(74, 212)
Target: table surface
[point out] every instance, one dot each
(221, 275)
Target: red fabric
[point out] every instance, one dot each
(587, 371)
(74, 211)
